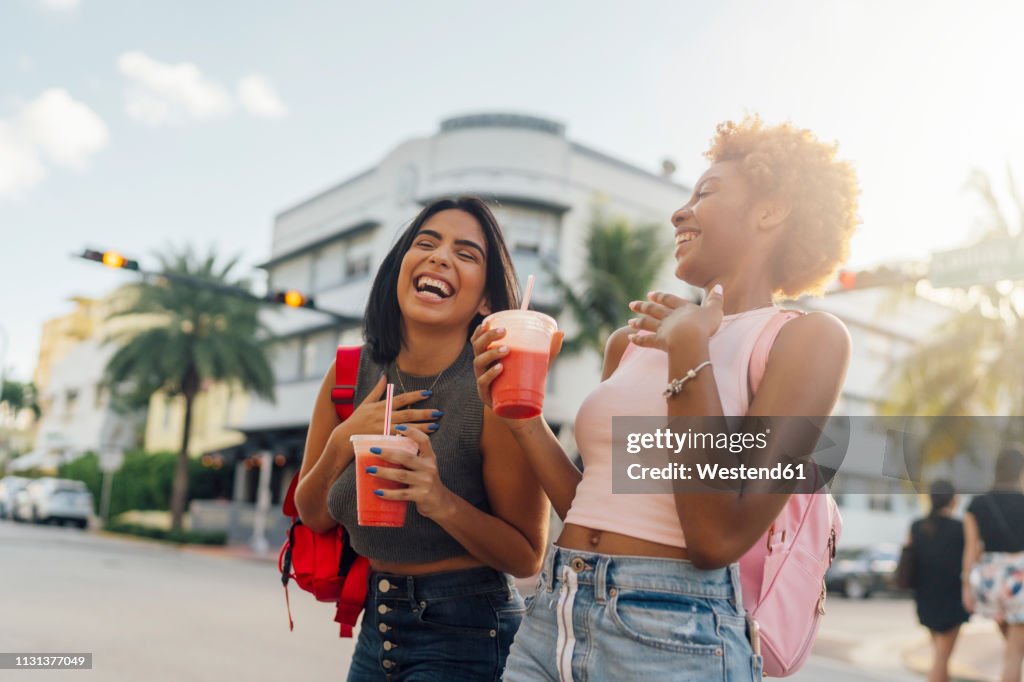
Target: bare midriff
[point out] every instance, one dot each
(453, 564)
(606, 542)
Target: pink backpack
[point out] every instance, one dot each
(783, 574)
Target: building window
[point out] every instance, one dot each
(307, 358)
(358, 257)
(168, 412)
(286, 359)
(70, 400)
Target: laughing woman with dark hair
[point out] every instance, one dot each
(440, 605)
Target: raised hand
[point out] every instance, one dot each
(368, 418)
(670, 318)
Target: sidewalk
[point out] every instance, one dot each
(977, 657)
(883, 635)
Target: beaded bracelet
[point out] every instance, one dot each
(675, 386)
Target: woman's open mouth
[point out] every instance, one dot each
(685, 237)
(432, 289)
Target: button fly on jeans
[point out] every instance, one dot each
(383, 609)
(578, 564)
(384, 585)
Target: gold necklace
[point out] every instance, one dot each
(401, 384)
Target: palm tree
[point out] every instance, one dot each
(20, 396)
(622, 264)
(200, 334)
(973, 364)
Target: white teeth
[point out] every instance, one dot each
(435, 283)
(686, 237)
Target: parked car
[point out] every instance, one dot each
(9, 487)
(857, 573)
(55, 500)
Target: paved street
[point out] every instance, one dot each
(152, 612)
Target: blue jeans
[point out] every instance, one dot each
(597, 617)
(444, 627)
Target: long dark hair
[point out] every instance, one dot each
(382, 323)
(1010, 465)
(941, 493)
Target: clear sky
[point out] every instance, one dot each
(139, 124)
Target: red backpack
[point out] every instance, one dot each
(325, 563)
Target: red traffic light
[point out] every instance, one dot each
(112, 259)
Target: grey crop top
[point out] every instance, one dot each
(459, 462)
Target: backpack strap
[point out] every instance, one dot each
(343, 395)
(353, 596)
(763, 346)
(346, 369)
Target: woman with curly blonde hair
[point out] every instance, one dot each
(648, 585)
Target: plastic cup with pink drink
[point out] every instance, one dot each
(518, 392)
(371, 509)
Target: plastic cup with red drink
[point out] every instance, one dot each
(518, 392)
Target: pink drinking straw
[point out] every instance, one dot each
(387, 410)
(529, 292)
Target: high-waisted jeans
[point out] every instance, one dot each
(598, 617)
(455, 626)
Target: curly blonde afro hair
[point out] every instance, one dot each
(792, 163)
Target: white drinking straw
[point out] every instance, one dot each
(529, 291)
(387, 410)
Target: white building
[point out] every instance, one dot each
(80, 418)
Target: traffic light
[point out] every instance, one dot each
(292, 299)
(112, 259)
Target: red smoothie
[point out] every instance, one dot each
(518, 392)
(371, 509)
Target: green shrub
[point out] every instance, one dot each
(190, 537)
(144, 480)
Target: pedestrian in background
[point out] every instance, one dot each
(936, 554)
(993, 568)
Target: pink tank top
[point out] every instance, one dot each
(634, 389)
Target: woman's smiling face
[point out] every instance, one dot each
(715, 226)
(443, 274)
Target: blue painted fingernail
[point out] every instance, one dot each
(375, 451)
(401, 427)
(426, 394)
(436, 413)
(378, 493)
(371, 470)
(434, 427)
